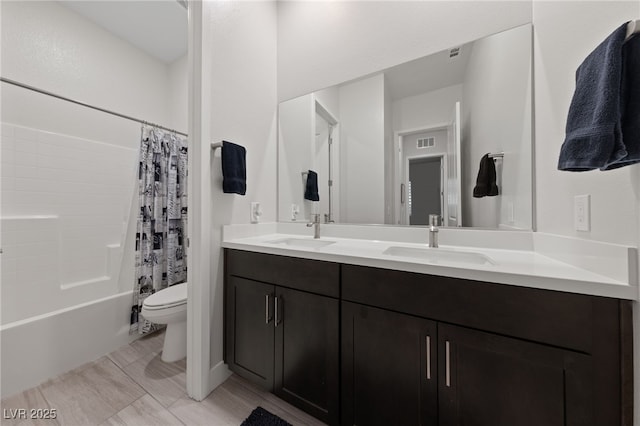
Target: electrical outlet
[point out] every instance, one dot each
(295, 209)
(256, 212)
(582, 212)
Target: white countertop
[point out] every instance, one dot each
(521, 266)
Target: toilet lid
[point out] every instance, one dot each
(170, 296)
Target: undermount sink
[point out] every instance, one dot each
(302, 242)
(437, 255)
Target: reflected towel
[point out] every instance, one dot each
(311, 187)
(486, 181)
(594, 137)
(234, 168)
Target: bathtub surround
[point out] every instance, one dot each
(67, 216)
(161, 234)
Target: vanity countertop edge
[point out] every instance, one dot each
(524, 268)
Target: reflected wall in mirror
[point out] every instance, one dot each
(396, 146)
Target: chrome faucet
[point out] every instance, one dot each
(434, 221)
(315, 222)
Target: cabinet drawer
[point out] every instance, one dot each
(302, 274)
(555, 318)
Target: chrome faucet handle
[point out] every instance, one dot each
(434, 221)
(316, 225)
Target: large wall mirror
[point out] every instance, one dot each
(398, 145)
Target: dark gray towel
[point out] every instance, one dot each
(486, 180)
(630, 103)
(593, 132)
(234, 168)
(311, 187)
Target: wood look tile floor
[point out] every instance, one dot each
(133, 387)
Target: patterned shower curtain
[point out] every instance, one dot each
(161, 258)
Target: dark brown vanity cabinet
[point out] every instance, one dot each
(389, 368)
(282, 328)
(419, 372)
(358, 345)
(486, 379)
(427, 350)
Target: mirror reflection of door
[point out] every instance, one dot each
(325, 162)
(424, 155)
(425, 182)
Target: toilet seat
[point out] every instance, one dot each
(169, 297)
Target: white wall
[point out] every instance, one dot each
(325, 43)
(48, 46)
(496, 112)
(561, 44)
(177, 95)
(426, 109)
(362, 150)
(239, 105)
(68, 179)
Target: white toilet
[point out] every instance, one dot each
(169, 306)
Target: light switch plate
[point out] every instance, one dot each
(582, 212)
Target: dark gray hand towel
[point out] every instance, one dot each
(593, 132)
(311, 188)
(486, 181)
(630, 103)
(234, 168)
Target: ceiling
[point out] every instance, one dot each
(158, 27)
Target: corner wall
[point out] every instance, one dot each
(564, 34)
(240, 106)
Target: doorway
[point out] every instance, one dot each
(425, 195)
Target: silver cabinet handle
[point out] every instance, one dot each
(428, 342)
(276, 309)
(447, 364)
(266, 309)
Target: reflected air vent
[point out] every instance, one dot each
(454, 52)
(426, 142)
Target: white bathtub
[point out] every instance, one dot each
(38, 348)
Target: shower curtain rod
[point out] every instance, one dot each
(117, 114)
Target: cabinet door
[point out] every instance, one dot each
(307, 352)
(486, 379)
(389, 364)
(249, 330)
